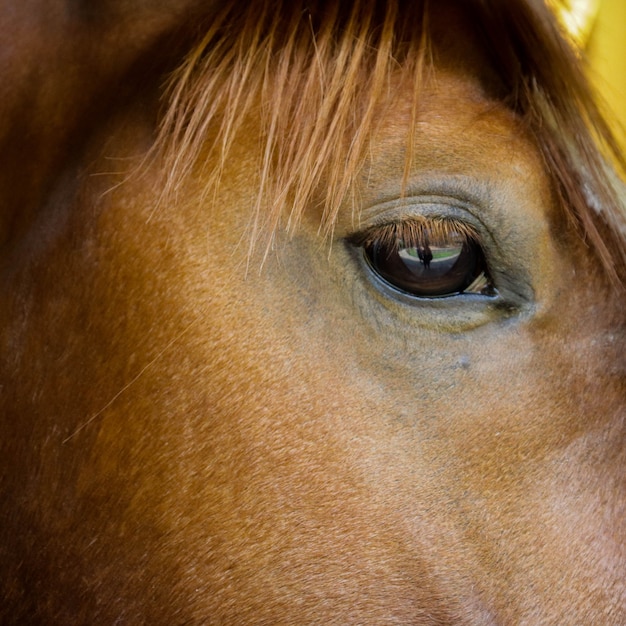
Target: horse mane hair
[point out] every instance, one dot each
(313, 72)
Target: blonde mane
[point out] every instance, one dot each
(313, 73)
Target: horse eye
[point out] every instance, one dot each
(449, 265)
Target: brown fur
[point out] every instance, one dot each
(183, 441)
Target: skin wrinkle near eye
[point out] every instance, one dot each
(427, 206)
(465, 189)
(462, 191)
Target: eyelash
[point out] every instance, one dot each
(412, 232)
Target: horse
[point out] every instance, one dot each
(227, 394)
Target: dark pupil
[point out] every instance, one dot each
(426, 269)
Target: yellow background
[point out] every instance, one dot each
(606, 50)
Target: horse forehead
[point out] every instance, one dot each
(453, 110)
